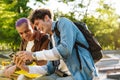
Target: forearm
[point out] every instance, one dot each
(50, 55)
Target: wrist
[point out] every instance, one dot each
(16, 68)
(25, 68)
(34, 56)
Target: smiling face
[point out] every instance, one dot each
(44, 25)
(42, 19)
(25, 31)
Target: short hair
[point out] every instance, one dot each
(40, 14)
(21, 21)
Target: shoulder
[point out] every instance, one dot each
(62, 21)
(43, 37)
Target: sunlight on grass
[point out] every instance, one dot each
(28, 74)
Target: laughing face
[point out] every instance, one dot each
(44, 25)
(25, 31)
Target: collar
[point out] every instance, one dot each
(39, 35)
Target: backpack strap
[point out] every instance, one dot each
(56, 30)
(80, 44)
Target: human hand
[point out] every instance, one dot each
(20, 63)
(6, 67)
(25, 55)
(9, 71)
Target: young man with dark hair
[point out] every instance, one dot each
(63, 63)
(32, 40)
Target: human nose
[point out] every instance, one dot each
(39, 27)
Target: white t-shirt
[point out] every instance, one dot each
(29, 45)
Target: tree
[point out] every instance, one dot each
(11, 10)
(104, 25)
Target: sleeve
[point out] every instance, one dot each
(67, 37)
(49, 55)
(38, 69)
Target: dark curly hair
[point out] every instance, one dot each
(40, 14)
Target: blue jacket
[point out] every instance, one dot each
(69, 34)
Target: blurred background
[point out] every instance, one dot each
(101, 16)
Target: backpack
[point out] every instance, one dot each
(94, 47)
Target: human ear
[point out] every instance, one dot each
(46, 18)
